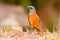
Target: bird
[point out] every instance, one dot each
(34, 20)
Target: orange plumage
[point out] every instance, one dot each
(34, 21)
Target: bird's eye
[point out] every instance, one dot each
(30, 8)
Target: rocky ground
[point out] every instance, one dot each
(17, 33)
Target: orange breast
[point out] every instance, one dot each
(34, 20)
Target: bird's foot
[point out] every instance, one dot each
(41, 33)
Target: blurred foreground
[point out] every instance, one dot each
(17, 33)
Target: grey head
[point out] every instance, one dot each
(31, 9)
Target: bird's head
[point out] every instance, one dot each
(31, 9)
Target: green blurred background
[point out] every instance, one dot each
(48, 10)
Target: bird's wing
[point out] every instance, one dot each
(34, 20)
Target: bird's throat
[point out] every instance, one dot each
(32, 12)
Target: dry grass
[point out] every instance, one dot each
(17, 33)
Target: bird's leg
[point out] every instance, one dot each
(34, 30)
(40, 31)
